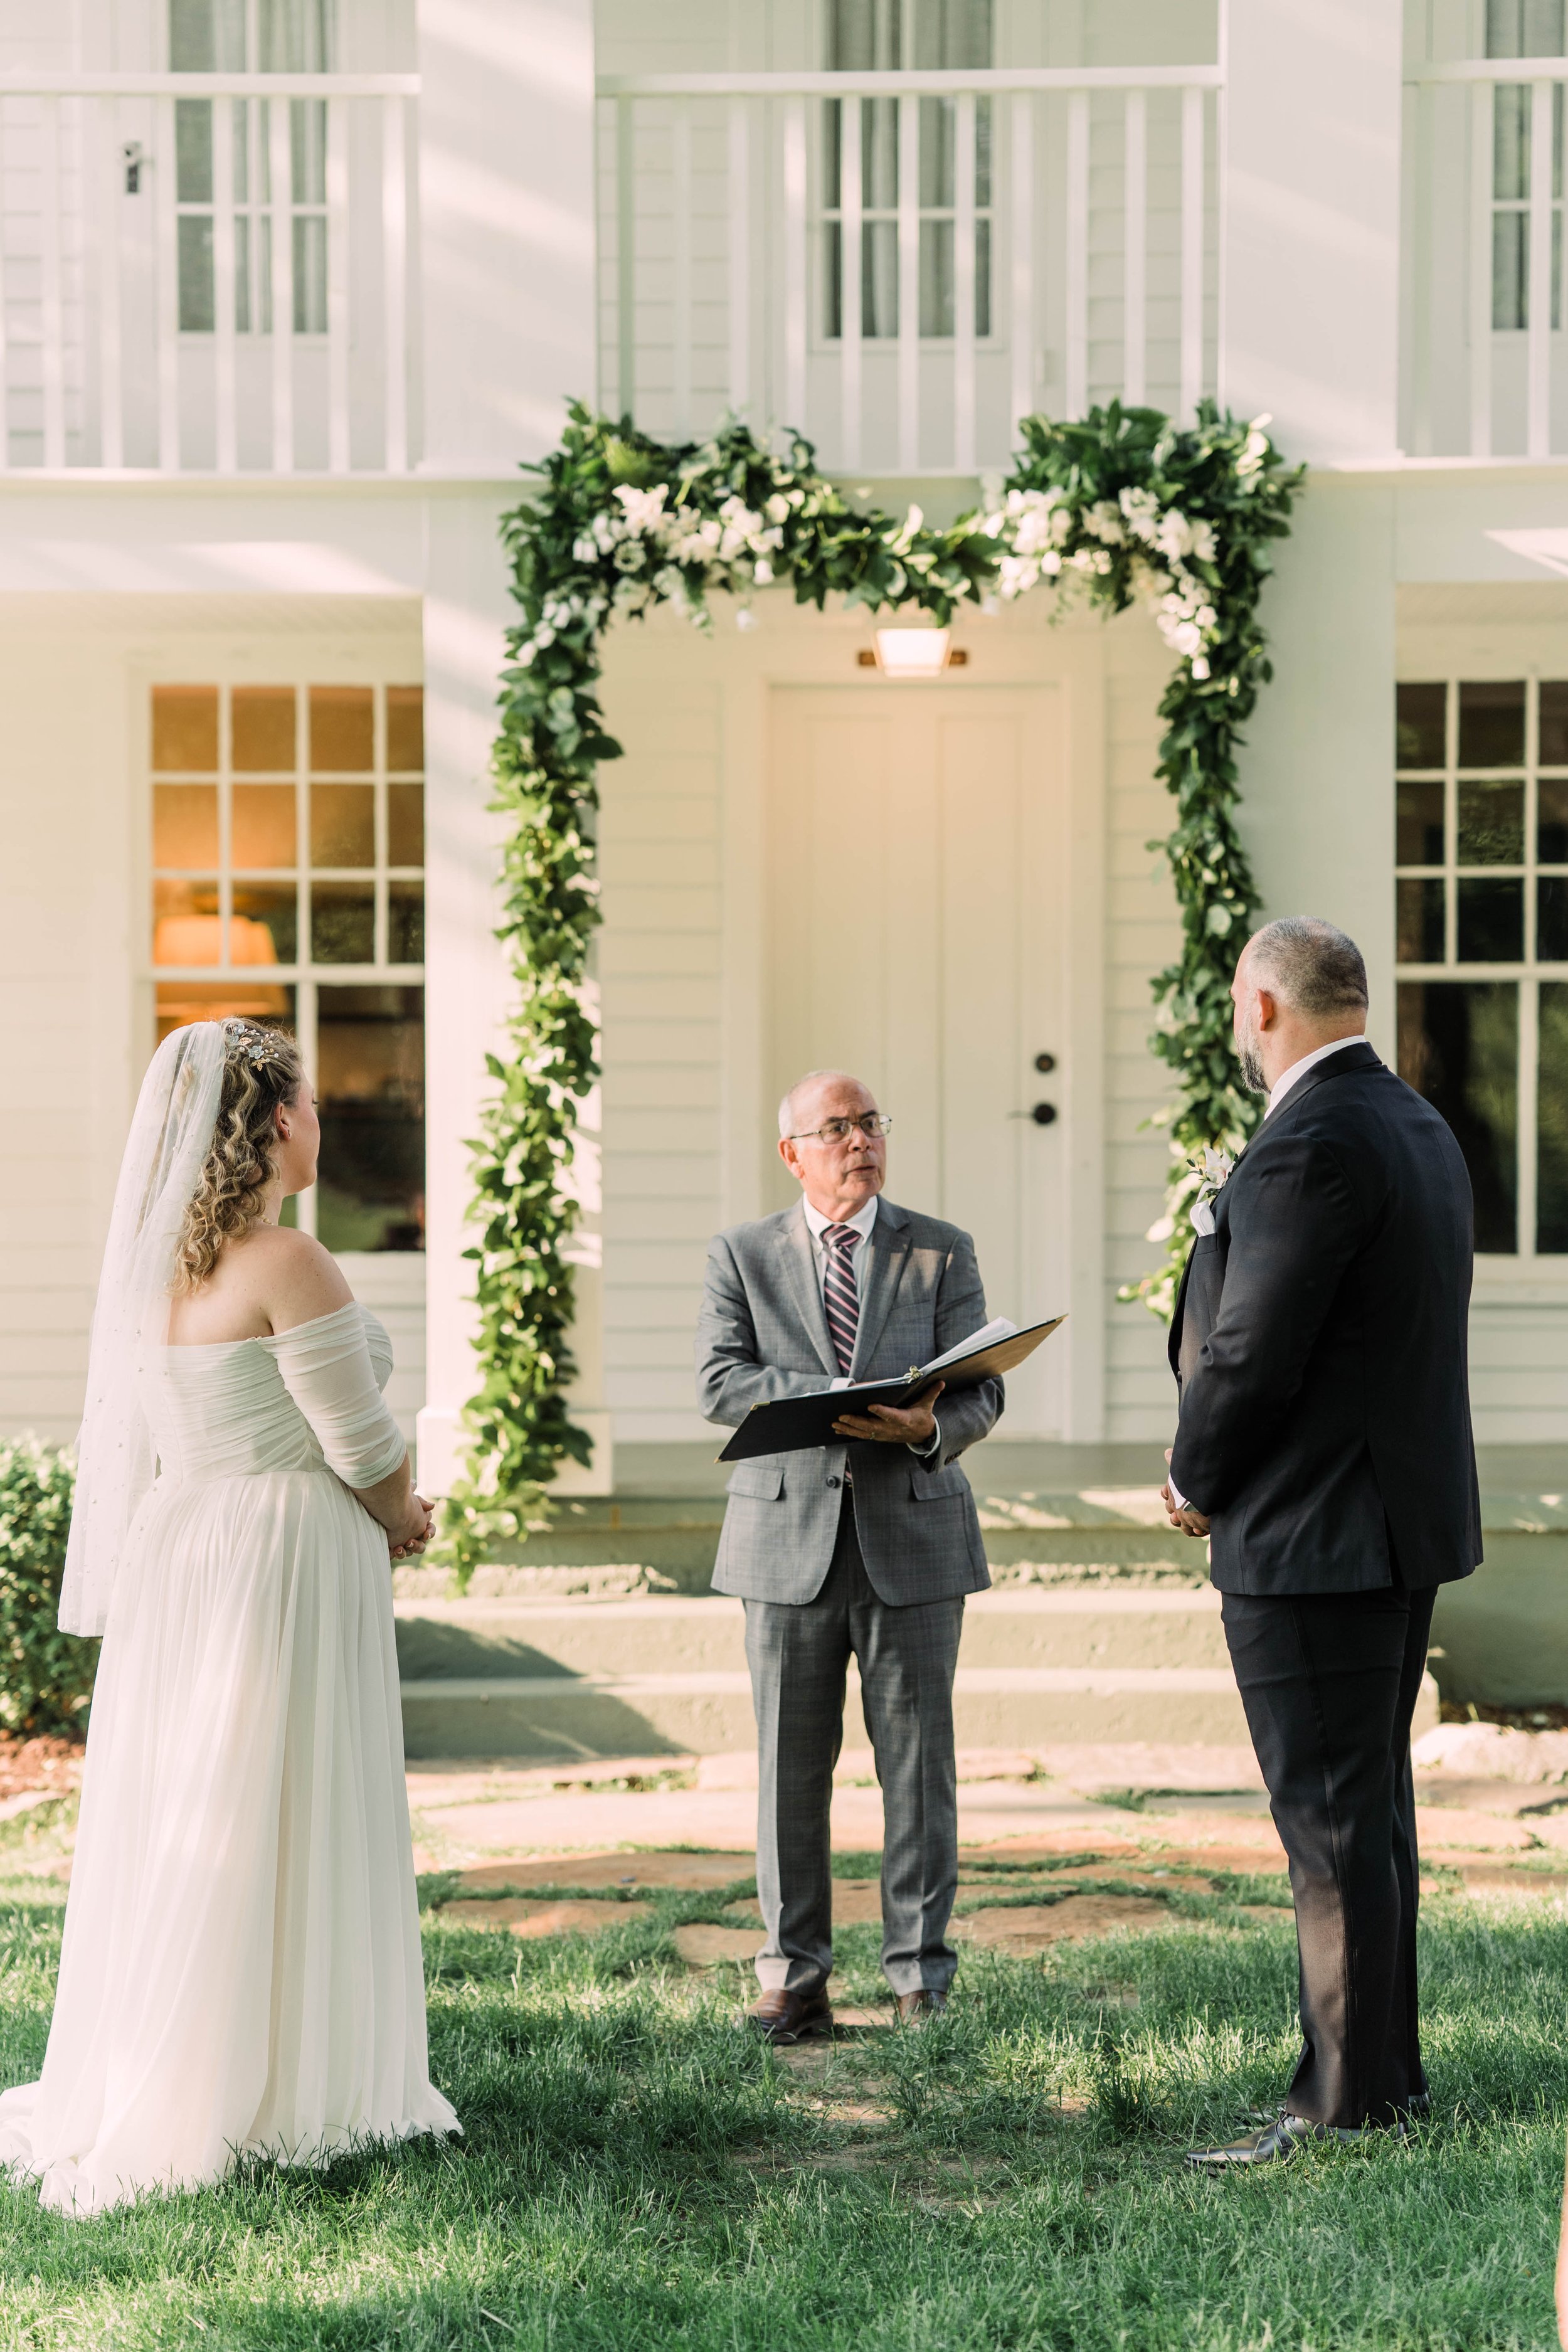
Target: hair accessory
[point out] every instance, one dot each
(258, 1045)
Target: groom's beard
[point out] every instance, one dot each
(1252, 1066)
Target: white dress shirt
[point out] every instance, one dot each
(1276, 1094)
(860, 1223)
(1286, 1078)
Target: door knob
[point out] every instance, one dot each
(1043, 1114)
(1045, 1064)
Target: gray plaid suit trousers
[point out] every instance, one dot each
(799, 1655)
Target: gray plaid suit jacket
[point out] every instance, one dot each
(763, 1333)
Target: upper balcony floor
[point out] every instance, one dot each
(897, 225)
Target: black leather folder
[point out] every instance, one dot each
(791, 1424)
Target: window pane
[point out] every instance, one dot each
(939, 126)
(405, 825)
(1551, 1120)
(186, 927)
(879, 154)
(296, 36)
(936, 277)
(185, 825)
(308, 149)
(263, 718)
(198, 311)
(184, 1001)
(1419, 829)
(1551, 919)
(1420, 922)
(406, 922)
(184, 728)
(192, 151)
(343, 922)
(1524, 28)
(1553, 723)
(1510, 141)
(1420, 719)
(310, 274)
(833, 280)
(1551, 821)
(1510, 271)
(406, 729)
(1491, 725)
(1492, 824)
(1458, 1046)
(265, 926)
(371, 1089)
(206, 37)
(343, 824)
(865, 34)
(342, 730)
(1491, 922)
(879, 277)
(263, 824)
(953, 33)
(983, 277)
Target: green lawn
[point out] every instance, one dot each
(636, 2172)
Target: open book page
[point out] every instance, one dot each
(999, 1328)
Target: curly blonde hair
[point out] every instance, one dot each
(261, 1070)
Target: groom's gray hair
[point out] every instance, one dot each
(1309, 965)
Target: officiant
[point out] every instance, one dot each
(865, 1548)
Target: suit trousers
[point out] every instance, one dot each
(799, 1656)
(1330, 1683)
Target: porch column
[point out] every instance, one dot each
(1310, 197)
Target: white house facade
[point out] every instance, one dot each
(289, 288)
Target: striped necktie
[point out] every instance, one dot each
(839, 1296)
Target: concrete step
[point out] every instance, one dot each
(654, 1677)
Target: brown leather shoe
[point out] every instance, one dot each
(920, 2008)
(791, 2016)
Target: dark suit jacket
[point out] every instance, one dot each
(1320, 1345)
(763, 1333)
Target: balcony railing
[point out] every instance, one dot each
(903, 263)
(1484, 372)
(206, 272)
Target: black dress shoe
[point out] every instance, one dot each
(920, 2008)
(786, 2017)
(1418, 2105)
(1280, 2140)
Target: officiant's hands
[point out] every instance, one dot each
(894, 1424)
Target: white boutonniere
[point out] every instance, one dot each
(1213, 1170)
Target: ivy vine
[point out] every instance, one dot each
(1122, 506)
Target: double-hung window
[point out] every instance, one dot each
(288, 838)
(1523, 28)
(892, 35)
(1483, 941)
(251, 37)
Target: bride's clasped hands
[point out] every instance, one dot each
(241, 1969)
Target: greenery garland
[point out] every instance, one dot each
(1123, 507)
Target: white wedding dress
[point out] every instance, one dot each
(241, 1968)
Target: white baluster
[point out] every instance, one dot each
(225, 433)
(795, 269)
(680, 197)
(103, 145)
(1192, 252)
(851, 189)
(1538, 348)
(909, 285)
(337, 286)
(1021, 326)
(280, 178)
(5, 322)
(168, 282)
(1135, 249)
(740, 254)
(626, 258)
(964, 285)
(53, 308)
(1077, 272)
(395, 278)
(1483, 101)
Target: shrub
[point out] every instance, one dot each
(46, 1676)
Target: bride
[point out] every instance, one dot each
(241, 1968)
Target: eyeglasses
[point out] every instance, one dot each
(871, 1124)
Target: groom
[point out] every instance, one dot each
(1324, 1447)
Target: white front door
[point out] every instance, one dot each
(916, 847)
